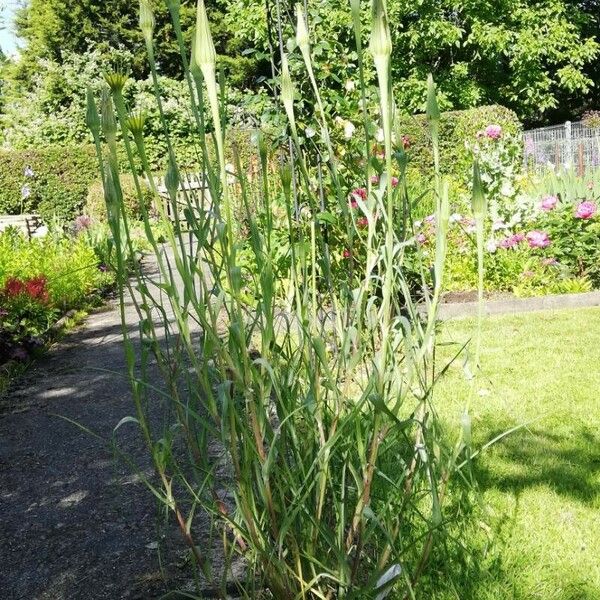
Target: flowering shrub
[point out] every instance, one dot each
(39, 280)
(556, 249)
(498, 153)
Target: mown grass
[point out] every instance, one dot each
(541, 484)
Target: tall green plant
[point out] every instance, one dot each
(319, 396)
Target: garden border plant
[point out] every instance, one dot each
(320, 394)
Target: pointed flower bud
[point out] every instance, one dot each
(381, 43)
(302, 38)
(146, 19)
(204, 49)
(92, 118)
(287, 87)
(433, 110)
(172, 179)
(109, 123)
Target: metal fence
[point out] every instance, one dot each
(569, 145)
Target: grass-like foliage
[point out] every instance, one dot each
(336, 478)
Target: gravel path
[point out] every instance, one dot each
(74, 522)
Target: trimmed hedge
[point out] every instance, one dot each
(62, 175)
(59, 184)
(456, 128)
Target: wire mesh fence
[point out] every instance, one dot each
(571, 145)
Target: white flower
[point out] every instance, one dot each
(379, 137)
(497, 225)
(348, 129)
(350, 85)
(491, 246)
(455, 218)
(310, 132)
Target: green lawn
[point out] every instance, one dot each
(541, 484)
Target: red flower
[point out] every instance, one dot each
(36, 288)
(13, 287)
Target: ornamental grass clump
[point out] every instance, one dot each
(301, 407)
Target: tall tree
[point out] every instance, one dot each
(530, 55)
(51, 28)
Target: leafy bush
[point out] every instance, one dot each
(39, 280)
(56, 184)
(553, 249)
(457, 128)
(95, 204)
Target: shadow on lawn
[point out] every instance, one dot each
(567, 460)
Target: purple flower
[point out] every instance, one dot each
(538, 239)
(548, 203)
(421, 238)
(586, 210)
(81, 223)
(493, 132)
(3, 312)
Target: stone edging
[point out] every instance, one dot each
(519, 305)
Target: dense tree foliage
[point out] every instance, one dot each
(53, 29)
(530, 55)
(534, 56)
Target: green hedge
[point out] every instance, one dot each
(59, 185)
(63, 174)
(456, 127)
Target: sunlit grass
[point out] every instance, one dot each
(541, 483)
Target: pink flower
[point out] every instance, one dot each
(374, 179)
(430, 219)
(346, 253)
(406, 142)
(353, 204)
(394, 181)
(360, 192)
(512, 241)
(82, 222)
(493, 132)
(538, 239)
(362, 222)
(421, 238)
(586, 210)
(548, 203)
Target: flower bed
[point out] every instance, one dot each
(40, 280)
